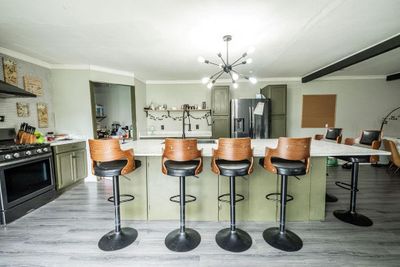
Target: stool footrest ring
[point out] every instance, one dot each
(346, 186)
(221, 198)
(126, 196)
(176, 198)
(270, 197)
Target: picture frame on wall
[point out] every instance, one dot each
(33, 85)
(22, 109)
(10, 71)
(43, 115)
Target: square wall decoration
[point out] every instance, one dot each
(22, 109)
(43, 115)
(318, 111)
(33, 85)
(10, 71)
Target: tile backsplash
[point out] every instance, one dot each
(8, 106)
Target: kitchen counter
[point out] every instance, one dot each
(152, 189)
(65, 142)
(165, 134)
(319, 148)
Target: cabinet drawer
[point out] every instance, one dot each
(69, 147)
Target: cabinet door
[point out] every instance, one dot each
(278, 126)
(277, 94)
(220, 127)
(220, 100)
(65, 169)
(80, 163)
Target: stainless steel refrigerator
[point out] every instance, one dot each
(251, 118)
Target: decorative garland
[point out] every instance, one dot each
(179, 118)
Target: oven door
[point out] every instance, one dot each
(24, 179)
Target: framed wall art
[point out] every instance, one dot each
(10, 71)
(22, 109)
(33, 85)
(43, 115)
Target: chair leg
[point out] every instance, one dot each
(182, 239)
(351, 216)
(279, 237)
(119, 237)
(233, 239)
(396, 171)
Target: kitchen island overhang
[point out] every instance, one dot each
(152, 189)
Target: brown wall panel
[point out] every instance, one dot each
(318, 110)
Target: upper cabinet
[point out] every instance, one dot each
(220, 101)
(277, 93)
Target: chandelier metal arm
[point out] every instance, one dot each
(238, 64)
(215, 74)
(233, 64)
(214, 79)
(223, 61)
(210, 62)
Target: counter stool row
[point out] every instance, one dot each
(182, 158)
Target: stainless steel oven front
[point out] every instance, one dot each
(25, 184)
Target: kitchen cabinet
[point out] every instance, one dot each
(278, 95)
(70, 163)
(220, 109)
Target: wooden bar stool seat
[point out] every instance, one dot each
(108, 160)
(234, 157)
(181, 158)
(290, 158)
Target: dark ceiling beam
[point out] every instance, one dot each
(393, 77)
(368, 53)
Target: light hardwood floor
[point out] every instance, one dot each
(65, 232)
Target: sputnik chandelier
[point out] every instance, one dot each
(228, 68)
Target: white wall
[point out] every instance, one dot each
(361, 104)
(175, 95)
(140, 98)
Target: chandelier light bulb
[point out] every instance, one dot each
(251, 50)
(235, 85)
(209, 85)
(201, 59)
(249, 60)
(253, 80)
(205, 80)
(235, 76)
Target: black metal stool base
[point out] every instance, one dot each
(234, 241)
(330, 198)
(182, 242)
(286, 241)
(114, 241)
(353, 218)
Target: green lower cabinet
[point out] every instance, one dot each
(64, 169)
(80, 164)
(152, 191)
(161, 187)
(135, 183)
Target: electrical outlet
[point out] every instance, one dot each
(2, 118)
(197, 127)
(162, 127)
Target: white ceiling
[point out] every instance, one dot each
(161, 40)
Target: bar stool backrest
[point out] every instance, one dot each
(392, 148)
(233, 149)
(289, 149)
(181, 150)
(369, 136)
(334, 134)
(104, 150)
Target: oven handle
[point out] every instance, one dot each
(41, 156)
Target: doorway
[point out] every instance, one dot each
(113, 110)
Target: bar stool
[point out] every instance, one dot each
(290, 158)
(108, 160)
(234, 157)
(181, 158)
(331, 135)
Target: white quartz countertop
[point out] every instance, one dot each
(318, 148)
(65, 142)
(165, 134)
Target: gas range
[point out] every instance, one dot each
(9, 152)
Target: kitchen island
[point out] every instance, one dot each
(152, 189)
